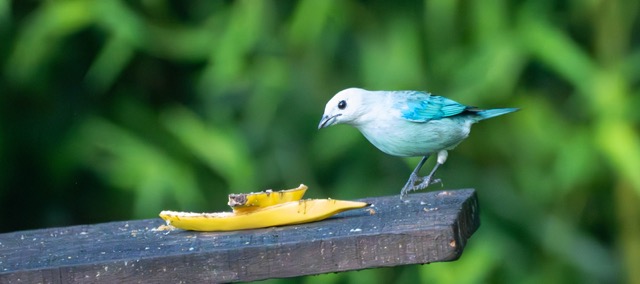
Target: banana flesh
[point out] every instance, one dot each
(247, 202)
(287, 213)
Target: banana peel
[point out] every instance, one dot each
(287, 213)
(247, 202)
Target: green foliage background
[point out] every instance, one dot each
(114, 110)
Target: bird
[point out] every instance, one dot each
(407, 124)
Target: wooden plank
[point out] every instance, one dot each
(427, 227)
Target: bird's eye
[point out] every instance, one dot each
(342, 104)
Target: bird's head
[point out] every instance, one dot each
(346, 106)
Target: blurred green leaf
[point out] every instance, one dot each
(309, 20)
(393, 60)
(5, 15)
(224, 151)
(42, 36)
(246, 24)
(109, 64)
(575, 161)
(127, 162)
(622, 144)
(555, 48)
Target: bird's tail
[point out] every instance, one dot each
(489, 113)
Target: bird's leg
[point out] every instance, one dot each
(428, 180)
(413, 178)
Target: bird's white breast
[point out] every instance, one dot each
(399, 137)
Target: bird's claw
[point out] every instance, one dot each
(416, 182)
(427, 182)
(410, 185)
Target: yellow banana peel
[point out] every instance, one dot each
(247, 202)
(287, 213)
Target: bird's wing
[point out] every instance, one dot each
(422, 107)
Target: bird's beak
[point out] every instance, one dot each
(327, 121)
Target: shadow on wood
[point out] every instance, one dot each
(426, 227)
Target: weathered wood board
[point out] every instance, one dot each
(426, 227)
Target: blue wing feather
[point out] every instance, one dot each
(422, 107)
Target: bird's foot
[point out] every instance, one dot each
(410, 185)
(416, 182)
(427, 181)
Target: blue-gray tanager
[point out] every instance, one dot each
(407, 124)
